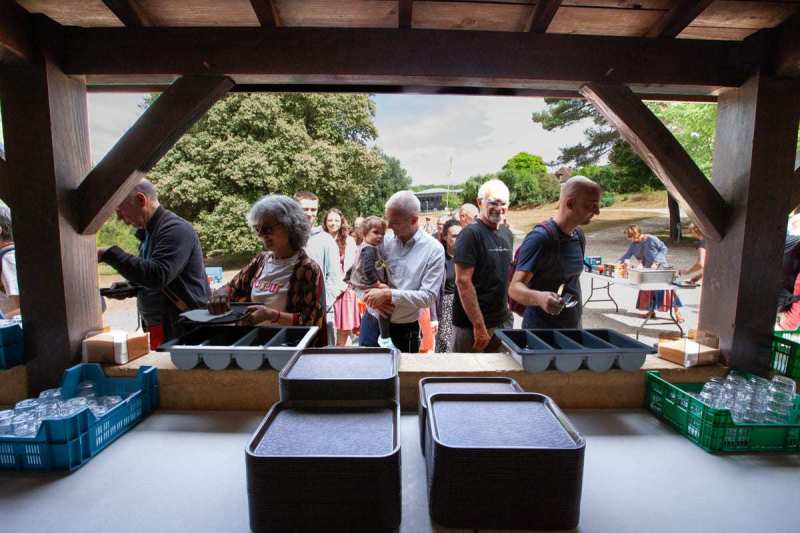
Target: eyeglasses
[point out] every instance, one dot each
(265, 229)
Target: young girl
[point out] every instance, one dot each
(345, 308)
(370, 270)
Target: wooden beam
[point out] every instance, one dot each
(467, 58)
(46, 132)
(405, 14)
(5, 185)
(674, 21)
(129, 12)
(266, 13)
(788, 49)
(16, 43)
(542, 15)
(659, 149)
(753, 167)
(160, 127)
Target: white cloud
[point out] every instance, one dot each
(479, 133)
(110, 116)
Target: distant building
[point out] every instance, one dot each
(433, 199)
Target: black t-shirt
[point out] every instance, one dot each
(507, 234)
(490, 253)
(552, 263)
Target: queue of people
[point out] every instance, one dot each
(386, 281)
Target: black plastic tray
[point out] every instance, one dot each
(502, 461)
(341, 374)
(479, 385)
(317, 468)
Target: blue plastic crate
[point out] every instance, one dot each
(68, 443)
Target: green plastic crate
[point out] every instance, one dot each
(786, 353)
(713, 429)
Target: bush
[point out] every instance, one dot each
(608, 199)
(116, 233)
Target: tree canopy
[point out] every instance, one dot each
(249, 145)
(526, 177)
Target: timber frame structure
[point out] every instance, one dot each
(744, 55)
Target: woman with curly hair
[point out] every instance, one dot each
(345, 308)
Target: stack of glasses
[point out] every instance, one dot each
(752, 400)
(26, 417)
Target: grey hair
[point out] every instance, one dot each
(287, 212)
(404, 201)
(5, 223)
(495, 187)
(470, 209)
(147, 188)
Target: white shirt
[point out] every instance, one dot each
(9, 268)
(272, 286)
(325, 252)
(416, 271)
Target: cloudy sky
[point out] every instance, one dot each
(477, 133)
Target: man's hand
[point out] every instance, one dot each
(435, 327)
(550, 302)
(100, 253)
(481, 337)
(219, 302)
(380, 300)
(119, 285)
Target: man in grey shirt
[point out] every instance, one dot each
(325, 252)
(416, 270)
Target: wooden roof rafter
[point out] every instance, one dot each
(542, 15)
(129, 12)
(266, 13)
(405, 14)
(678, 18)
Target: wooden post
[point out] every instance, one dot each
(753, 168)
(47, 149)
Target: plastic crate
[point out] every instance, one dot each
(714, 429)
(786, 353)
(68, 443)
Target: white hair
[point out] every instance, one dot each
(405, 202)
(468, 209)
(5, 222)
(286, 212)
(494, 188)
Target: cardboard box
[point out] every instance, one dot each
(115, 347)
(700, 348)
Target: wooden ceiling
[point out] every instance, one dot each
(718, 19)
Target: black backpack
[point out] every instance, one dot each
(555, 248)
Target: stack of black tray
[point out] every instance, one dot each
(479, 385)
(502, 461)
(327, 456)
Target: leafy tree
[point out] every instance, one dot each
(249, 145)
(526, 177)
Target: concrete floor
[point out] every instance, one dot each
(184, 471)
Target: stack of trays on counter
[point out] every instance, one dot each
(479, 385)
(327, 455)
(218, 346)
(502, 461)
(570, 349)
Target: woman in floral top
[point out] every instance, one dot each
(286, 284)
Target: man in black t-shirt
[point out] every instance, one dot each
(482, 259)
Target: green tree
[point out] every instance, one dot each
(393, 178)
(249, 145)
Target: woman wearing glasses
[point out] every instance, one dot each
(285, 283)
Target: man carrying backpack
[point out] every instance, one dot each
(548, 265)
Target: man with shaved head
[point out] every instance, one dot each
(551, 257)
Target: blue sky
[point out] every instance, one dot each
(478, 133)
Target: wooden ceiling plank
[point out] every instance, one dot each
(543, 15)
(266, 13)
(377, 53)
(129, 12)
(788, 54)
(150, 137)
(678, 18)
(405, 9)
(15, 33)
(665, 156)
